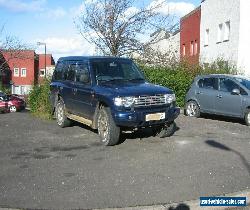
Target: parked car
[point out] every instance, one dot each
(110, 94)
(3, 103)
(227, 95)
(15, 103)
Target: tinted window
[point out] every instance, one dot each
(120, 70)
(82, 73)
(71, 73)
(58, 71)
(227, 85)
(3, 97)
(208, 83)
(65, 69)
(130, 71)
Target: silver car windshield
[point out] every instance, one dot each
(245, 82)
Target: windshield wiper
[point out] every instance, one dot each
(110, 80)
(136, 79)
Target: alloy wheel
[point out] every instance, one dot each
(192, 109)
(248, 117)
(59, 114)
(103, 127)
(13, 109)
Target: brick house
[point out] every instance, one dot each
(27, 69)
(24, 70)
(190, 36)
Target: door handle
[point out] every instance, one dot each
(219, 96)
(199, 92)
(74, 90)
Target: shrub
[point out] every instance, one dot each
(5, 89)
(38, 100)
(179, 76)
(178, 80)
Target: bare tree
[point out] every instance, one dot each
(12, 46)
(116, 27)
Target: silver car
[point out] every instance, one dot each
(219, 94)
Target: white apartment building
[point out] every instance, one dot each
(166, 42)
(225, 32)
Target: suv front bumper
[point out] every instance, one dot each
(137, 118)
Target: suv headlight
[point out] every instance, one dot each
(169, 98)
(124, 101)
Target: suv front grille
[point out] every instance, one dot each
(155, 100)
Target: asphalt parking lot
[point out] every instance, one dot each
(43, 166)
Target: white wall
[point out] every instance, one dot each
(49, 71)
(244, 37)
(169, 45)
(213, 13)
(21, 89)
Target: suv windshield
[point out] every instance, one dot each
(116, 70)
(245, 82)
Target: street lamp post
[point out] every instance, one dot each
(43, 43)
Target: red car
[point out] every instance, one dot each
(15, 103)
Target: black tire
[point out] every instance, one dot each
(247, 117)
(166, 131)
(192, 109)
(60, 114)
(108, 131)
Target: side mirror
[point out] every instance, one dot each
(235, 91)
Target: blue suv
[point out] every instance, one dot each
(110, 94)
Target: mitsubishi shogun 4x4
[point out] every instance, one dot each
(110, 94)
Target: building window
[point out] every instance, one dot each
(16, 72)
(42, 72)
(23, 72)
(219, 34)
(195, 47)
(191, 48)
(227, 31)
(183, 49)
(206, 41)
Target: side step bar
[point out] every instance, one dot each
(80, 119)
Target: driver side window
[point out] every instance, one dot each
(227, 85)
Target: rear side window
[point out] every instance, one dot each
(82, 73)
(71, 73)
(58, 74)
(207, 83)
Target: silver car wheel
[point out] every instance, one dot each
(192, 109)
(103, 128)
(13, 109)
(248, 117)
(59, 114)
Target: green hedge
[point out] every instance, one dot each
(4, 89)
(38, 100)
(179, 77)
(177, 80)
